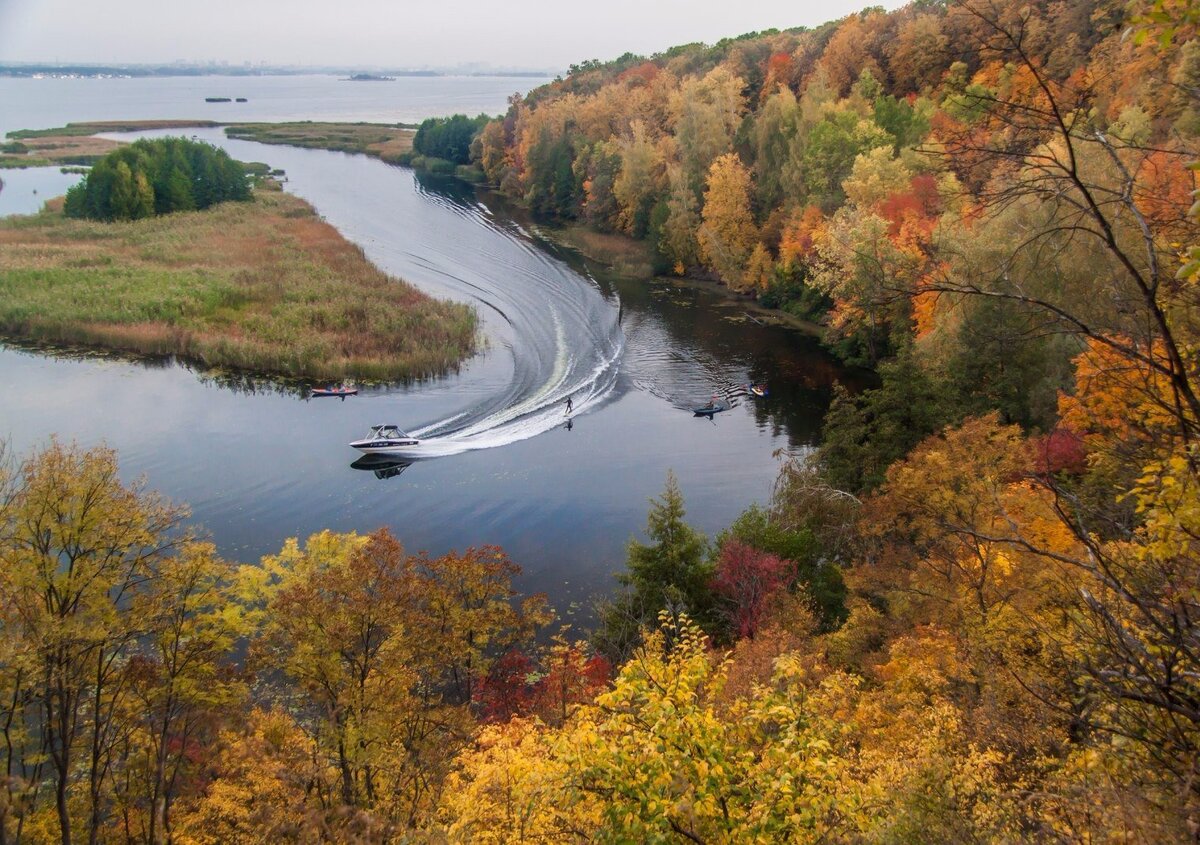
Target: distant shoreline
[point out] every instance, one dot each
(168, 71)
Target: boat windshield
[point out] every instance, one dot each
(389, 432)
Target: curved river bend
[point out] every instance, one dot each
(257, 464)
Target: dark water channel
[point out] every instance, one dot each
(258, 463)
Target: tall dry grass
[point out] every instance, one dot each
(263, 286)
(373, 139)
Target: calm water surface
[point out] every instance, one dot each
(46, 103)
(258, 463)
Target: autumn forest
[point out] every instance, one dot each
(971, 615)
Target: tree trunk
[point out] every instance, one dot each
(60, 803)
(344, 763)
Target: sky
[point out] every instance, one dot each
(533, 34)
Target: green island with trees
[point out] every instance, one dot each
(183, 258)
(159, 176)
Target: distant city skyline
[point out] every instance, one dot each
(515, 34)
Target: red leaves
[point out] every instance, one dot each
(780, 69)
(747, 578)
(516, 686)
(505, 691)
(1062, 450)
(639, 75)
(921, 202)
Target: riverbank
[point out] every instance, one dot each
(633, 258)
(264, 286)
(388, 143)
(76, 143)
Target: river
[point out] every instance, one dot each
(258, 463)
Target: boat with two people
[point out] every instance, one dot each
(342, 390)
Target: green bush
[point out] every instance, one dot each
(157, 176)
(449, 137)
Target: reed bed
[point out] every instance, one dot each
(73, 144)
(373, 139)
(264, 286)
(93, 127)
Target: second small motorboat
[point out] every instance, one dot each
(387, 440)
(342, 390)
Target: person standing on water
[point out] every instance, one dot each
(570, 404)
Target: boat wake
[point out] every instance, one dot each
(529, 417)
(560, 335)
(548, 331)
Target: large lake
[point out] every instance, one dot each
(258, 463)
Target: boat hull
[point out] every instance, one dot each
(387, 447)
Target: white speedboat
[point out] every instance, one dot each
(387, 440)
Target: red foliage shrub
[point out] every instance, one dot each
(505, 691)
(1062, 450)
(746, 578)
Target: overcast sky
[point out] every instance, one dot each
(395, 33)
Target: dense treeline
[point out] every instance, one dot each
(157, 176)
(448, 138)
(973, 615)
(764, 159)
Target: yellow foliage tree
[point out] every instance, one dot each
(727, 235)
(811, 756)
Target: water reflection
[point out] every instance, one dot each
(383, 466)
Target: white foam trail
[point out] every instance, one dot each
(536, 415)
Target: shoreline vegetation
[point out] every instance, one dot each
(387, 142)
(265, 286)
(76, 143)
(636, 259)
(393, 144)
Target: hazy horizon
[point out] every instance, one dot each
(521, 34)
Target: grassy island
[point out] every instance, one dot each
(264, 286)
(384, 142)
(75, 144)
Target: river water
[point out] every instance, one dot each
(562, 494)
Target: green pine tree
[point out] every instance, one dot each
(671, 572)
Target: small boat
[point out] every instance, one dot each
(759, 390)
(386, 440)
(714, 406)
(334, 391)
